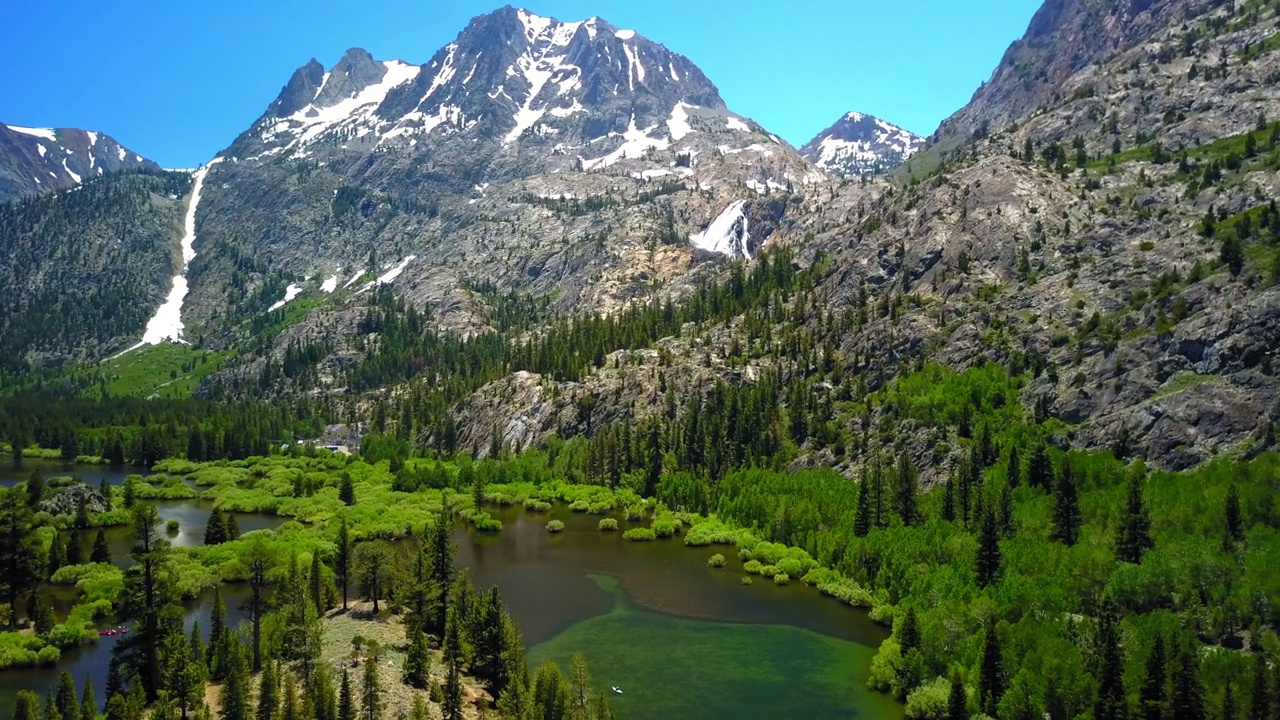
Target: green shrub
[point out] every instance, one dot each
(608, 524)
(781, 579)
(929, 700)
(601, 507)
(753, 566)
(666, 526)
(580, 506)
(768, 570)
(746, 579)
(484, 522)
(537, 506)
(640, 534)
(555, 526)
(716, 561)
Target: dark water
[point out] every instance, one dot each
(92, 660)
(91, 475)
(680, 639)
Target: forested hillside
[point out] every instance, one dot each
(86, 267)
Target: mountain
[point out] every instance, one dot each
(859, 144)
(572, 160)
(37, 160)
(83, 269)
(1066, 37)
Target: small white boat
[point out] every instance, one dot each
(617, 689)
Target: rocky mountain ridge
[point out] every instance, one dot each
(39, 160)
(858, 144)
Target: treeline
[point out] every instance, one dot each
(132, 431)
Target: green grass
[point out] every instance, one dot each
(671, 667)
(1182, 381)
(164, 371)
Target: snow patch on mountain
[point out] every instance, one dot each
(42, 133)
(166, 324)
(634, 144)
(679, 122)
(291, 292)
(329, 285)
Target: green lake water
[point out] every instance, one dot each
(678, 638)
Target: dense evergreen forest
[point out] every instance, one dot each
(91, 262)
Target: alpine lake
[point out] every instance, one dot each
(675, 637)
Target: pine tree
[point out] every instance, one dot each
(289, 699)
(1187, 700)
(1006, 510)
(346, 704)
(27, 706)
(957, 700)
(1134, 537)
(442, 568)
(948, 498)
(1260, 695)
(342, 564)
(347, 491)
(268, 692)
(101, 551)
(1110, 703)
(75, 550)
(908, 486)
(579, 687)
(991, 676)
(909, 634)
(257, 561)
(317, 583)
(1229, 709)
(862, 522)
(370, 692)
(57, 553)
(1066, 507)
(988, 558)
(148, 593)
(50, 707)
(215, 530)
(878, 514)
(88, 703)
(66, 702)
(1039, 469)
(235, 693)
(233, 526)
(19, 550)
(417, 662)
(1234, 518)
(550, 696)
(217, 649)
(1152, 703)
(1013, 471)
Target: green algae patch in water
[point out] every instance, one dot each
(668, 666)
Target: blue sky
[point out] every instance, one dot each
(178, 80)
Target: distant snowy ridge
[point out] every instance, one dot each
(36, 160)
(859, 144)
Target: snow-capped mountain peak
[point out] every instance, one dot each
(860, 144)
(35, 160)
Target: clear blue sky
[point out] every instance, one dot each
(177, 80)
